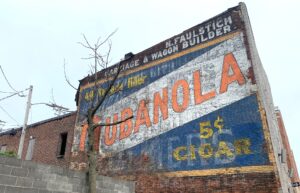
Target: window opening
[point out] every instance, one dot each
(30, 149)
(3, 148)
(63, 144)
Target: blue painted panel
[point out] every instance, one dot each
(241, 122)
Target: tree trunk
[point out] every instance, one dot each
(92, 173)
(92, 158)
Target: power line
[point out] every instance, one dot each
(4, 92)
(17, 93)
(7, 80)
(8, 96)
(8, 114)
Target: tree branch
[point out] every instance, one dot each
(111, 124)
(98, 45)
(66, 77)
(99, 57)
(57, 108)
(88, 58)
(94, 109)
(87, 43)
(108, 54)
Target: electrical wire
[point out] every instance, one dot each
(7, 80)
(4, 92)
(9, 115)
(8, 96)
(17, 93)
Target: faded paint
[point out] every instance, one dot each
(192, 101)
(229, 137)
(182, 107)
(215, 61)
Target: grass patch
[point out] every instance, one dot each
(8, 154)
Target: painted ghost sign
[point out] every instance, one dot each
(191, 102)
(229, 137)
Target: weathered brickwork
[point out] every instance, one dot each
(201, 107)
(47, 140)
(290, 157)
(203, 117)
(238, 183)
(11, 141)
(275, 144)
(291, 164)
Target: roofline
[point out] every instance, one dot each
(14, 130)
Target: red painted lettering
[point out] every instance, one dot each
(162, 104)
(142, 116)
(199, 97)
(126, 126)
(186, 95)
(110, 135)
(230, 63)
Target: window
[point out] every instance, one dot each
(30, 149)
(62, 145)
(3, 148)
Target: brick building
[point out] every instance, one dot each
(204, 118)
(291, 164)
(47, 141)
(47, 146)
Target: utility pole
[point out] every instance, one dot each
(21, 144)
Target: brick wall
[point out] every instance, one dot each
(227, 182)
(47, 140)
(275, 144)
(290, 156)
(237, 183)
(142, 163)
(11, 141)
(291, 164)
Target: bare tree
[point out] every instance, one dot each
(100, 61)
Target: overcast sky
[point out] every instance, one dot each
(36, 36)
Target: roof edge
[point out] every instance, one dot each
(12, 131)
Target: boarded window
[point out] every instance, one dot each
(3, 148)
(30, 149)
(62, 145)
